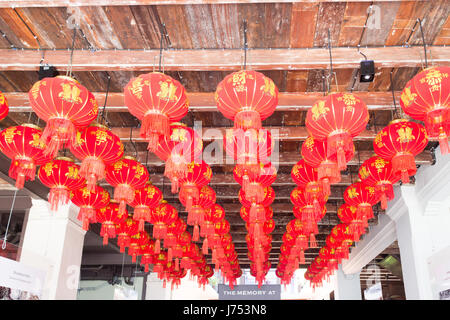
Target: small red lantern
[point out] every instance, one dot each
(110, 217)
(126, 175)
(246, 97)
(329, 254)
(125, 230)
(363, 197)
(348, 215)
(147, 254)
(400, 142)
(337, 119)
(266, 215)
(213, 215)
(378, 172)
(253, 184)
(89, 201)
(97, 147)
(23, 145)
(256, 207)
(145, 199)
(157, 100)
(4, 109)
(174, 230)
(161, 216)
(60, 175)
(310, 211)
(65, 105)
(426, 98)
(137, 241)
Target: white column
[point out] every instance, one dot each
(53, 242)
(348, 286)
(155, 289)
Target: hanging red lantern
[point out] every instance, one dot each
(60, 175)
(329, 254)
(110, 217)
(157, 100)
(213, 215)
(253, 184)
(4, 109)
(23, 145)
(137, 241)
(296, 228)
(309, 211)
(160, 261)
(378, 172)
(245, 215)
(161, 216)
(426, 98)
(126, 175)
(247, 98)
(66, 106)
(181, 148)
(147, 254)
(96, 147)
(145, 199)
(125, 230)
(314, 152)
(174, 230)
(400, 142)
(363, 197)
(348, 215)
(257, 207)
(89, 201)
(337, 119)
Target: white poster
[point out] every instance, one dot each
(123, 293)
(375, 292)
(20, 282)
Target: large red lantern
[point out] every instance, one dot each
(253, 183)
(337, 119)
(311, 211)
(145, 199)
(182, 147)
(161, 216)
(97, 147)
(314, 152)
(306, 177)
(213, 215)
(89, 200)
(60, 175)
(110, 218)
(426, 98)
(24, 146)
(400, 142)
(126, 175)
(246, 97)
(363, 197)
(4, 108)
(157, 100)
(377, 172)
(125, 230)
(65, 105)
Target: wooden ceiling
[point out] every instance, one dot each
(287, 41)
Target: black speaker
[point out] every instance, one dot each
(47, 71)
(367, 71)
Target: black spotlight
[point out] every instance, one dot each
(367, 71)
(47, 71)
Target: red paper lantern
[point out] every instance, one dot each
(4, 109)
(89, 201)
(266, 214)
(23, 145)
(213, 215)
(161, 216)
(337, 119)
(145, 199)
(426, 98)
(256, 207)
(126, 175)
(253, 184)
(174, 230)
(157, 100)
(246, 97)
(314, 152)
(378, 172)
(137, 241)
(97, 147)
(348, 214)
(311, 211)
(363, 197)
(147, 254)
(66, 106)
(110, 217)
(182, 147)
(400, 142)
(329, 254)
(125, 230)
(60, 175)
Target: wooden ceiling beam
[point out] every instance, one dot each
(204, 101)
(95, 3)
(220, 59)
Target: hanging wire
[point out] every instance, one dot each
(163, 35)
(103, 119)
(323, 83)
(393, 96)
(9, 220)
(423, 42)
(133, 144)
(69, 69)
(331, 59)
(245, 44)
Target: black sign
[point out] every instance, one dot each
(250, 292)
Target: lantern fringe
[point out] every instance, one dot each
(196, 233)
(337, 146)
(154, 125)
(123, 241)
(58, 132)
(312, 241)
(254, 191)
(405, 164)
(58, 196)
(247, 119)
(157, 246)
(175, 169)
(205, 246)
(107, 231)
(93, 170)
(443, 143)
(169, 254)
(141, 214)
(86, 215)
(302, 256)
(177, 264)
(22, 170)
(123, 193)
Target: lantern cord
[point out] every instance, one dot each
(103, 119)
(69, 69)
(133, 144)
(393, 95)
(423, 42)
(163, 31)
(331, 58)
(9, 220)
(245, 44)
(323, 83)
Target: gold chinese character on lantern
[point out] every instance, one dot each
(407, 96)
(36, 142)
(380, 163)
(72, 173)
(268, 87)
(239, 79)
(167, 91)
(9, 134)
(48, 168)
(35, 89)
(352, 193)
(139, 171)
(70, 93)
(405, 135)
(136, 88)
(100, 137)
(319, 109)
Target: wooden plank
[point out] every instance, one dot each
(329, 18)
(380, 23)
(204, 101)
(443, 38)
(355, 17)
(303, 24)
(215, 59)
